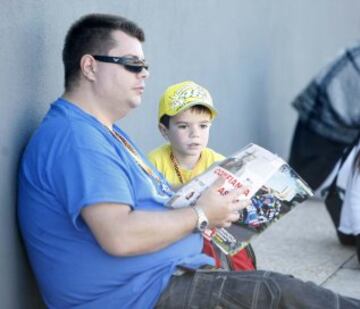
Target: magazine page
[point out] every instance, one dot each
(271, 185)
(249, 167)
(281, 193)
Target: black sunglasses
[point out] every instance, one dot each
(131, 64)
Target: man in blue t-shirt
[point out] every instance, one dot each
(91, 207)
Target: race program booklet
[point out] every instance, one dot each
(272, 186)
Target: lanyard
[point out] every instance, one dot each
(140, 162)
(177, 168)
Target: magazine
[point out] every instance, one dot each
(272, 186)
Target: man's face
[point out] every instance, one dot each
(188, 132)
(119, 90)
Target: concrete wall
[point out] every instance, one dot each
(253, 56)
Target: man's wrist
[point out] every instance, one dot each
(202, 221)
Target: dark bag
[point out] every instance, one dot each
(313, 156)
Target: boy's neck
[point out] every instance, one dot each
(186, 162)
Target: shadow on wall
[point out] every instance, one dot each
(30, 293)
(22, 97)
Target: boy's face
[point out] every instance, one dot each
(188, 132)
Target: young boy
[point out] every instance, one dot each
(186, 112)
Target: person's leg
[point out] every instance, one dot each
(253, 289)
(219, 289)
(299, 294)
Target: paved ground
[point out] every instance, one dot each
(303, 243)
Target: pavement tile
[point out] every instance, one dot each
(303, 243)
(346, 282)
(353, 263)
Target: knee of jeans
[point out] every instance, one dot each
(266, 293)
(272, 287)
(250, 290)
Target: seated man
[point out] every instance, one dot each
(91, 207)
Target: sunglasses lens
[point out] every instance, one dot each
(132, 64)
(135, 68)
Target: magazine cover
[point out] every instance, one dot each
(272, 186)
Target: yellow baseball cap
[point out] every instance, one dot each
(182, 96)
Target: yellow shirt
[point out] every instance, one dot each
(160, 157)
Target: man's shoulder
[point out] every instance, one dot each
(61, 133)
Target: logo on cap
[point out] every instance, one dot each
(189, 94)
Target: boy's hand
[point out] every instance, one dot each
(222, 210)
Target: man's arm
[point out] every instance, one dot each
(122, 232)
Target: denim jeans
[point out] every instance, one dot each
(217, 289)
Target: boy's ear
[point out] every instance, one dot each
(163, 130)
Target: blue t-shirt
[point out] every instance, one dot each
(71, 162)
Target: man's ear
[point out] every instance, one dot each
(88, 67)
(163, 130)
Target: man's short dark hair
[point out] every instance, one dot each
(91, 34)
(199, 109)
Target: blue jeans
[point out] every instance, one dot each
(219, 289)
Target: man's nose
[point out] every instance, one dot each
(144, 74)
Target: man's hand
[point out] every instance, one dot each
(222, 210)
